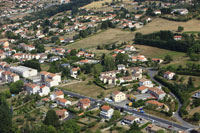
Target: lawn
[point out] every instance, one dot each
(44, 67)
(104, 37)
(3, 88)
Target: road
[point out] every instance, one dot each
(146, 116)
(152, 73)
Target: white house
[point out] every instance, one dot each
(9, 77)
(121, 67)
(74, 72)
(169, 75)
(57, 94)
(44, 90)
(32, 88)
(146, 82)
(129, 119)
(62, 114)
(130, 48)
(142, 89)
(106, 112)
(118, 96)
(63, 102)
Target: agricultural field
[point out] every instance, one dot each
(104, 37)
(162, 24)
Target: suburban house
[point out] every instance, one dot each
(146, 82)
(63, 102)
(74, 72)
(44, 90)
(118, 96)
(106, 112)
(32, 88)
(155, 103)
(142, 89)
(157, 92)
(57, 94)
(157, 60)
(84, 103)
(9, 77)
(157, 12)
(50, 79)
(169, 75)
(130, 119)
(121, 67)
(129, 48)
(62, 114)
(178, 38)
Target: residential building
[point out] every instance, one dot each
(130, 119)
(74, 72)
(157, 92)
(44, 90)
(121, 67)
(142, 89)
(146, 82)
(84, 103)
(106, 112)
(155, 103)
(8, 76)
(130, 48)
(169, 75)
(63, 102)
(32, 88)
(62, 114)
(57, 94)
(118, 96)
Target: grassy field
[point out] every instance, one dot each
(104, 37)
(162, 24)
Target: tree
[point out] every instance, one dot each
(160, 131)
(5, 116)
(16, 87)
(109, 62)
(121, 58)
(32, 64)
(51, 118)
(97, 69)
(71, 125)
(190, 82)
(116, 115)
(168, 59)
(134, 128)
(124, 88)
(175, 77)
(47, 129)
(196, 116)
(180, 28)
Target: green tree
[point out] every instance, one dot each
(51, 118)
(97, 69)
(121, 58)
(109, 62)
(16, 87)
(71, 126)
(196, 116)
(190, 82)
(5, 116)
(180, 28)
(168, 59)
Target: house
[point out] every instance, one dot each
(157, 60)
(106, 112)
(142, 89)
(130, 48)
(50, 79)
(57, 94)
(121, 67)
(51, 83)
(157, 12)
(157, 92)
(63, 102)
(118, 96)
(8, 76)
(44, 90)
(84, 103)
(146, 82)
(169, 75)
(74, 72)
(116, 51)
(130, 119)
(180, 11)
(62, 114)
(177, 38)
(155, 103)
(32, 88)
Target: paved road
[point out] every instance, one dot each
(146, 116)
(152, 73)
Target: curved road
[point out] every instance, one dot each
(152, 73)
